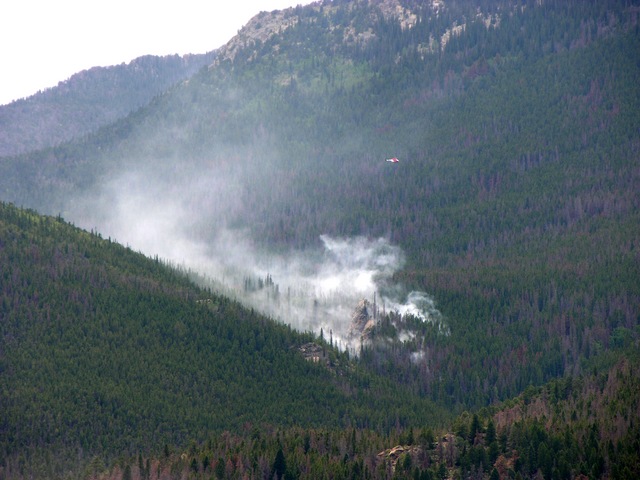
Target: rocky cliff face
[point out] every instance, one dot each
(362, 321)
(259, 29)
(267, 24)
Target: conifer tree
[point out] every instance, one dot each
(279, 465)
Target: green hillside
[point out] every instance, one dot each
(515, 199)
(515, 204)
(578, 427)
(106, 352)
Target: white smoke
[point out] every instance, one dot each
(319, 290)
(422, 306)
(184, 216)
(311, 290)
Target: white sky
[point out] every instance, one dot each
(43, 42)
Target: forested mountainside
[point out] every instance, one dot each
(105, 352)
(515, 199)
(89, 100)
(115, 365)
(514, 203)
(583, 427)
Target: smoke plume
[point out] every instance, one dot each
(193, 213)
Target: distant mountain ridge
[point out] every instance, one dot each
(89, 100)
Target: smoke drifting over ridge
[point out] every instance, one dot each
(194, 214)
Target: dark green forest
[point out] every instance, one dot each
(515, 202)
(116, 364)
(536, 434)
(107, 352)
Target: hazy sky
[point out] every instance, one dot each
(43, 42)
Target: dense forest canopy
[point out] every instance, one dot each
(109, 352)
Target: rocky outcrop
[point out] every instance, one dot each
(267, 24)
(313, 352)
(392, 455)
(362, 321)
(259, 29)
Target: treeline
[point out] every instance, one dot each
(579, 426)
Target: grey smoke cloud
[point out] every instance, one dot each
(312, 290)
(188, 214)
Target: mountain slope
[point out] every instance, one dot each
(106, 352)
(514, 203)
(515, 199)
(583, 426)
(90, 99)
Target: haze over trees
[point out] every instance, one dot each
(89, 100)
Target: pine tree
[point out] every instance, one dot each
(491, 433)
(279, 465)
(475, 428)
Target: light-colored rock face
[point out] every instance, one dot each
(362, 322)
(266, 24)
(259, 29)
(393, 9)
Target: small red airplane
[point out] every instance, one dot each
(392, 160)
